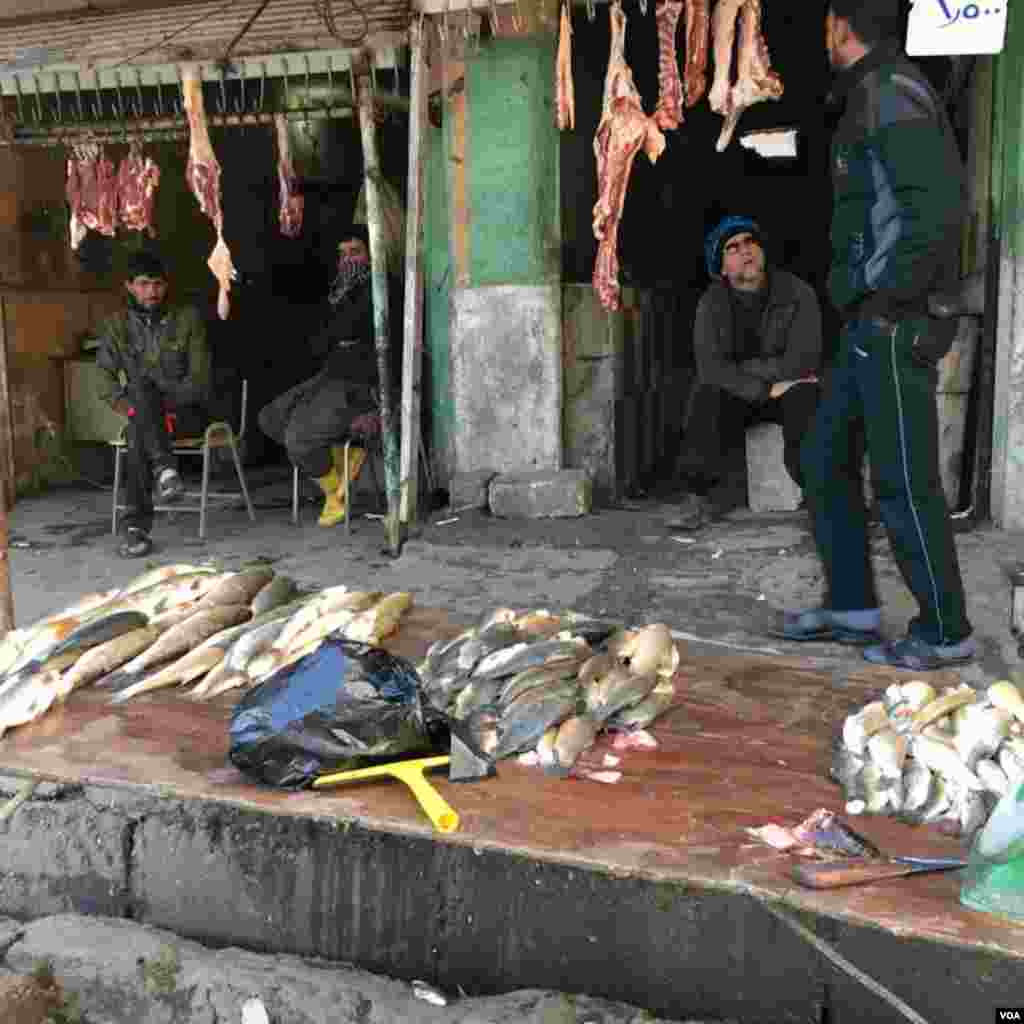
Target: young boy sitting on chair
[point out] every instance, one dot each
(157, 362)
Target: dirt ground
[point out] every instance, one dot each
(723, 586)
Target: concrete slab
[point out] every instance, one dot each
(469, 490)
(562, 493)
(121, 972)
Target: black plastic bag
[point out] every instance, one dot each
(346, 705)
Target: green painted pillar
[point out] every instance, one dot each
(505, 250)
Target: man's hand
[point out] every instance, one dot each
(780, 387)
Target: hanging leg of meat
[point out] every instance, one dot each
(565, 93)
(202, 172)
(669, 111)
(755, 79)
(292, 203)
(698, 31)
(624, 130)
(137, 179)
(723, 34)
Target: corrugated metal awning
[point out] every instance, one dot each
(201, 31)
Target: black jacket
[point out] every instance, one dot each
(790, 338)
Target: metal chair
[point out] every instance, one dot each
(219, 434)
(374, 446)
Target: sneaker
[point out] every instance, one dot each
(135, 543)
(169, 486)
(920, 656)
(821, 625)
(694, 512)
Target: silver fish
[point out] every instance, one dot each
(575, 735)
(510, 660)
(482, 725)
(280, 590)
(551, 674)
(495, 638)
(917, 785)
(945, 761)
(107, 657)
(189, 634)
(980, 731)
(478, 693)
(616, 690)
(238, 588)
(641, 714)
(521, 727)
(30, 697)
(992, 776)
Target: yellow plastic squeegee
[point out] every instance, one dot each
(437, 809)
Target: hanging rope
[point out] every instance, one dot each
(325, 11)
(177, 32)
(241, 32)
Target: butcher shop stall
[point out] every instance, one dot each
(737, 123)
(225, 136)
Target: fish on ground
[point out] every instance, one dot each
(105, 658)
(238, 588)
(615, 690)
(29, 698)
(523, 724)
(575, 735)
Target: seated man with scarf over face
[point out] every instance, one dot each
(313, 419)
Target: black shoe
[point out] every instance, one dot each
(169, 486)
(135, 543)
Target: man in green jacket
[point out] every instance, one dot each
(757, 345)
(898, 188)
(157, 366)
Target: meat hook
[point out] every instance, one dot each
(643, 6)
(60, 105)
(222, 106)
(78, 99)
(591, 10)
(160, 94)
(442, 26)
(493, 12)
(17, 96)
(305, 57)
(138, 93)
(119, 103)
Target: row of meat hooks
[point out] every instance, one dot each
(232, 96)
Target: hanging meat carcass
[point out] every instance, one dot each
(669, 112)
(91, 191)
(755, 79)
(623, 130)
(698, 31)
(292, 202)
(565, 93)
(723, 35)
(202, 172)
(137, 179)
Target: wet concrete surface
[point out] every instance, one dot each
(725, 584)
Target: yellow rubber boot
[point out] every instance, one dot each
(334, 499)
(356, 460)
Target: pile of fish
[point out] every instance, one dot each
(181, 624)
(924, 756)
(550, 682)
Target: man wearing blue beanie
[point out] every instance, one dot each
(757, 344)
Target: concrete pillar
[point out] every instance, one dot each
(1008, 218)
(505, 264)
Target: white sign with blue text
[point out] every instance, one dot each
(951, 27)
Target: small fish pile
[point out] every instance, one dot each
(550, 682)
(923, 756)
(181, 624)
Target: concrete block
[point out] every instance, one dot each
(769, 487)
(64, 855)
(469, 490)
(564, 492)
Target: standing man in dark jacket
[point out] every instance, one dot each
(896, 226)
(156, 361)
(313, 419)
(757, 343)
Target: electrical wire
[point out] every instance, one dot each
(245, 28)
(177, 32)
(325, 11)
